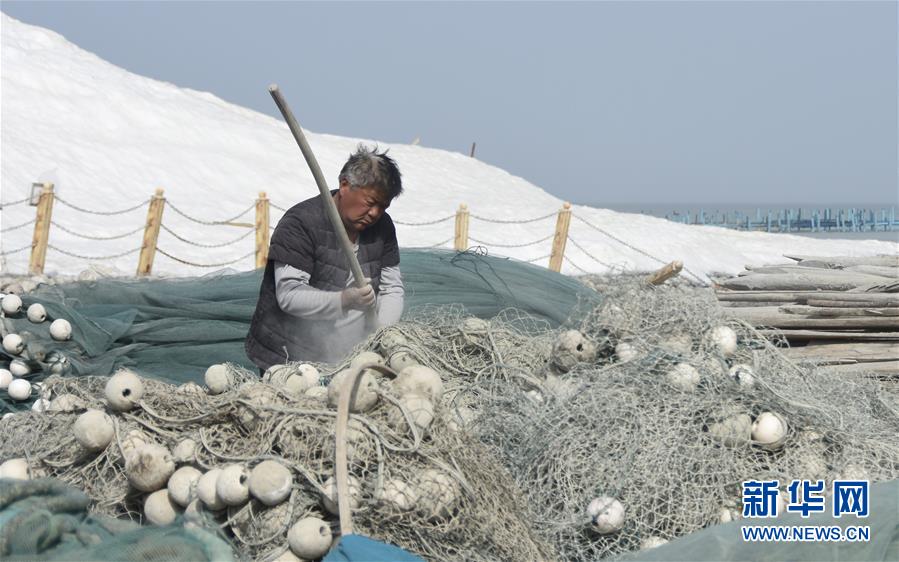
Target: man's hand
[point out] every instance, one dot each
(358, 298)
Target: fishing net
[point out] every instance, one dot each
(638, 398)
(450, 483)
(673, 453)
(46, 520)
(173, 329)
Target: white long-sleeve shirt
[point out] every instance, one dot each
(296, 297)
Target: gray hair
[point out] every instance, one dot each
(370, 168)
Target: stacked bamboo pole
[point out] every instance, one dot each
(851, 326)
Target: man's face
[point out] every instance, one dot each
(361, 207)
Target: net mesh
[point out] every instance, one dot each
(637, 397)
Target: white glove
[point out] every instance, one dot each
(358, 298)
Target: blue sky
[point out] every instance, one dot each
(712, 103)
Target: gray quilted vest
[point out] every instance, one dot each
(305, 240)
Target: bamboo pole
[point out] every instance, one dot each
(561, 237)
(262, 222)
(665, 273)
(41, 230)
(461, 241)
(151, 233)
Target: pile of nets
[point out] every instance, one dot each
(46, 520)
(173, 329)
(667, 446)
(632, 423)
(419, 480)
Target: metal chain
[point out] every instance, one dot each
(115, 237)
(425, 223)
(18, 226)
(186, 262)
(513, 245)
(11, 203)
(282, 209)
(74, 255)
(501, 221)
(576, 266)
(208, 223)
(589, 255)
(16, 251)
(546, 257)
(223, 244)
(105, 213)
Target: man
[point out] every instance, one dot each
(309, 308)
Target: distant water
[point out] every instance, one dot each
(716, 210)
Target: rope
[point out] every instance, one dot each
(209, 223)
(574, 265)
(16, 251)
(11, 203)
(105, 213)
(186, 262)
(74, 255)
(115, 237)
(546, 257)
(634, 248)
(513, 245)
(619, 240)
(18, 226)
(501, 221)
(425, 223)
(238, 239)
(589, 255)
(438, 244)
(282, 209)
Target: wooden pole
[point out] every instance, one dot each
(561, 237)
(151, 233)
(262, 222)
(41, 230)
(460, 244)
(666, 273)
(343, 238)
(472, 149)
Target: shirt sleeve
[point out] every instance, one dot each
(390, 296)
(295, 296)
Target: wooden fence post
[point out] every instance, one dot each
(41, 230)
(151, 233)
(461, 241)
(262, 237)
(561, 237)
